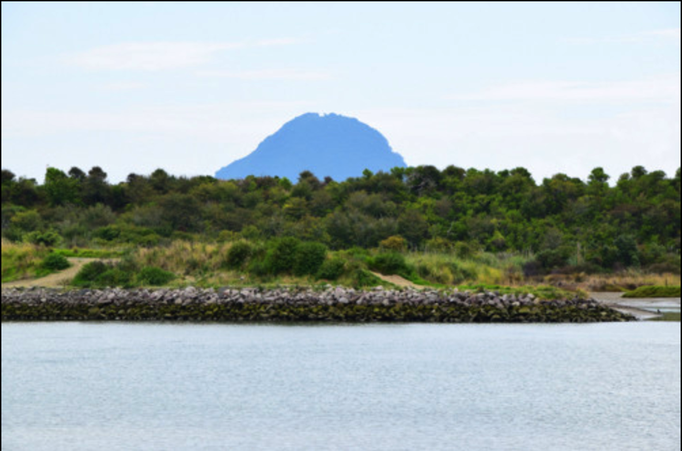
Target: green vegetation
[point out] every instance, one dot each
(433, 227)
(89, 253)
(653, 291)
(125, 274)
(22, 261)
(55, 262)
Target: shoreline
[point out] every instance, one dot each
(641, 308)
(334, 304)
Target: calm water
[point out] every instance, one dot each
(122, 386)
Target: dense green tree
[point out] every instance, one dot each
(60, 189)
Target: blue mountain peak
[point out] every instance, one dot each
(326, 145)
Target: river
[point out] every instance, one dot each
(158, 386)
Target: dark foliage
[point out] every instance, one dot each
(564, 221)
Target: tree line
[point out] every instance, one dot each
(564, 223)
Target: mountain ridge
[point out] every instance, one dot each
(326, 145)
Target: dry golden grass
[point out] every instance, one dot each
(182, 257)
(447, 269)
(628, 280)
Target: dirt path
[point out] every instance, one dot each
(57, 279)
(397, 280)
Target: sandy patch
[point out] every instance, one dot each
(57, 279)
(397, 280)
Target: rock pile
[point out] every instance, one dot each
(332, 304)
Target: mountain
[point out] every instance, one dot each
(326, 145)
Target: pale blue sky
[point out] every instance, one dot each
(189, 87)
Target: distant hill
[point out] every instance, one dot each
(326, 145)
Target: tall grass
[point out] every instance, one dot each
(186, 258)
(485, 268)
(629, 279)
(21, 260)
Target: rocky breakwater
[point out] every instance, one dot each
(295, 305)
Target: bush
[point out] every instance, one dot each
(465, 250)
(259, 268)
(151, 275)
(48, 239)
(238, 254)
(55, 262)
(332, 269)
(394, 243)
(90, 273)
(107, 233)
(391, 263)
(461, 273)
(439, 244)
(281, 256)
(309, 258)
(115, 277)
(552, 258)
(532, 268)
(363, 278)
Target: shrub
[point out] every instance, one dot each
(460, 273)
(363, 278)
(55, 262)
(394, 243)
(115, 277)
(282, 255)
(309, 258)
(259, 268)
(149, 240)
(532, 268)
(238, 254)
(331, 269)
(439, 244)
(391, 263)
(107, 233)
(552, 258)
(88, 275)
(151, 275)
(48, 239)
(465, 250)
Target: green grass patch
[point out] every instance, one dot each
(654, 291)
(22, 261)
(89, 253)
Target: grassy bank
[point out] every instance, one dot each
(22, 261)
(291, 262)
(654, 291)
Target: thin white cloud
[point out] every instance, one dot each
(270, 74)
(123, 86)
(663, 89)
(154, 56)
(667, 34)
(210, 122)
(672, 33)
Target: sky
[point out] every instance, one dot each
(190, 87)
